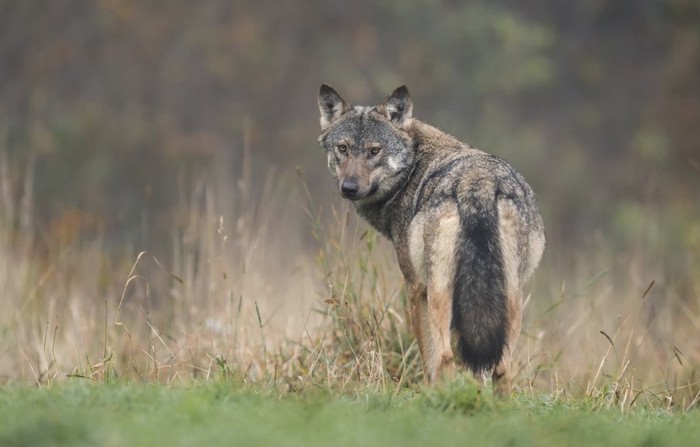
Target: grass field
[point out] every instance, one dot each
(248, 332)
(223, 414)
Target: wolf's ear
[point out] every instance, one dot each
(331, 105)
(398, 107)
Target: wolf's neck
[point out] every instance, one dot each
(429, 138)
(383, 214)
(387, 215)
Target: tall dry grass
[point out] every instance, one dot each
(244, 295)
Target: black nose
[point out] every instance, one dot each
(349, 188)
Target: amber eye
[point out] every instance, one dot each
(342, 148)
(375, 150)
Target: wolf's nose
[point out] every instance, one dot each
(349, 188)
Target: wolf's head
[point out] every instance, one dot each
(369, 150)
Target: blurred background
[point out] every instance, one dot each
(121, 119)
(116, 101)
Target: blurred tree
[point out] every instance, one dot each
(122, 101)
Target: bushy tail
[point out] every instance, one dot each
(479, 304)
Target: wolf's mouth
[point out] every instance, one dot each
(359, 195)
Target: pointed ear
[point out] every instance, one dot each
(398, 107)
(331, 105)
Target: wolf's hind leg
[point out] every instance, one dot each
(511, 242)
(502, 375)
(417, 300)
(430, 316)
(432, 243)
(440, 242)
(440, 359)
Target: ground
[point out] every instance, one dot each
(225, 413)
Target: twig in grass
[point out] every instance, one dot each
(46, 332)
(602, 362)
(678, 354)
(644, 295)
(694, 401)
(132, 276)
(608, 337)
(636, 322)
(54, 360)
(262, 336)
(104, 346)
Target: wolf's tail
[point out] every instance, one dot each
(479, 303)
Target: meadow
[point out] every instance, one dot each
(221, 413)
(276, 320)
(168, 277)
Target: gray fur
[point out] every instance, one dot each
(465, 225)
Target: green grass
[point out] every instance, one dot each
(218, 413)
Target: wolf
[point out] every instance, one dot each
(465, 225)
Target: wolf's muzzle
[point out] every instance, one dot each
(349, 188)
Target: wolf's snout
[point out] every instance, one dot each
(349, 188)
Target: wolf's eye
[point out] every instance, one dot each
(375, 150)
(342, 148)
